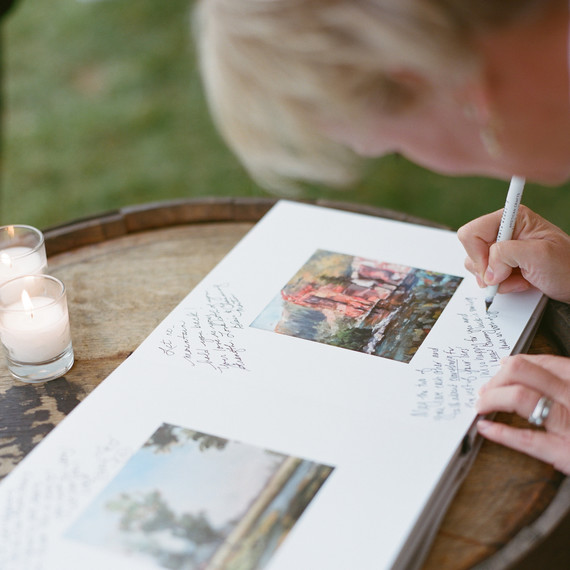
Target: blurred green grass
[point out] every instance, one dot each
(104, 108)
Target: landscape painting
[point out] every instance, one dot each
(189, 500)
(375, 307)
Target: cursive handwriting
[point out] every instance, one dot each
(206, 335)
(42, 500)
(450, 382)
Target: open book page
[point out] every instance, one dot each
(296, 410)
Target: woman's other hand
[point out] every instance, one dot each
(518, 386)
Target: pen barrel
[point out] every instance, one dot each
(512, 203)
(507, 225)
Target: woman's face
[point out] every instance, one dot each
(437, 136)
(512, 118)
(445, 137)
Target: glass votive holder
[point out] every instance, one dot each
(22, 252)
(34, 328)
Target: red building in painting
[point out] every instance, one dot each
(369, 288)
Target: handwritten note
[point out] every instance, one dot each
(205, 335)
(42, 501)
(451, 380)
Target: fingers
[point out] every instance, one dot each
(511, 399)
(515, 283)
(522, 401)
(546, 374)
(522, 381)
(537, 254)
(518, 387)
(558, 365)
(549, 447)
(480, 234)
(537, 261)
(476, 237)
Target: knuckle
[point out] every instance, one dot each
(499, 253)
(464, 232)
(496, 247)
(514, 365)
(560, 416)
(527, 437)
(520, 397)
(524, 213)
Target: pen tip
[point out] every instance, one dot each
(488, 303)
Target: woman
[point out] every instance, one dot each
(301, 89)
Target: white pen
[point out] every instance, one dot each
(507, 225)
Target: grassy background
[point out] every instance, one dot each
(104, 108)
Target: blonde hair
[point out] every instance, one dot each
(275, 71)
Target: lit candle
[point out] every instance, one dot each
(34, 328)
(22, 252)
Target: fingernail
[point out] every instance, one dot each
(483, 425)
(489, 275)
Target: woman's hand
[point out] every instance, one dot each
(538, 255)
(517, 387)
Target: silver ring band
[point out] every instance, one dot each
(541, 411)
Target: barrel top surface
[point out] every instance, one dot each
(126, 270)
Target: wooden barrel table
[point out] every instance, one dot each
(126, 270)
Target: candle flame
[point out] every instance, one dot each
(10, 230)
(27, 302)
(5, 259)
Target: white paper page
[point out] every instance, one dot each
(373, 433)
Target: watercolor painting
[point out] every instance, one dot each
(190, 500)
(375, 307)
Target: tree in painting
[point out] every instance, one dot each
(167, 436)
(190, 500)
(150, 514)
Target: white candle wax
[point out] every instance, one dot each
(38, 334)
(20, 260)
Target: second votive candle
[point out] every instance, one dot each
(34, 328)
(22, 252)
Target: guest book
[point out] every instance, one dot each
(309, 405)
